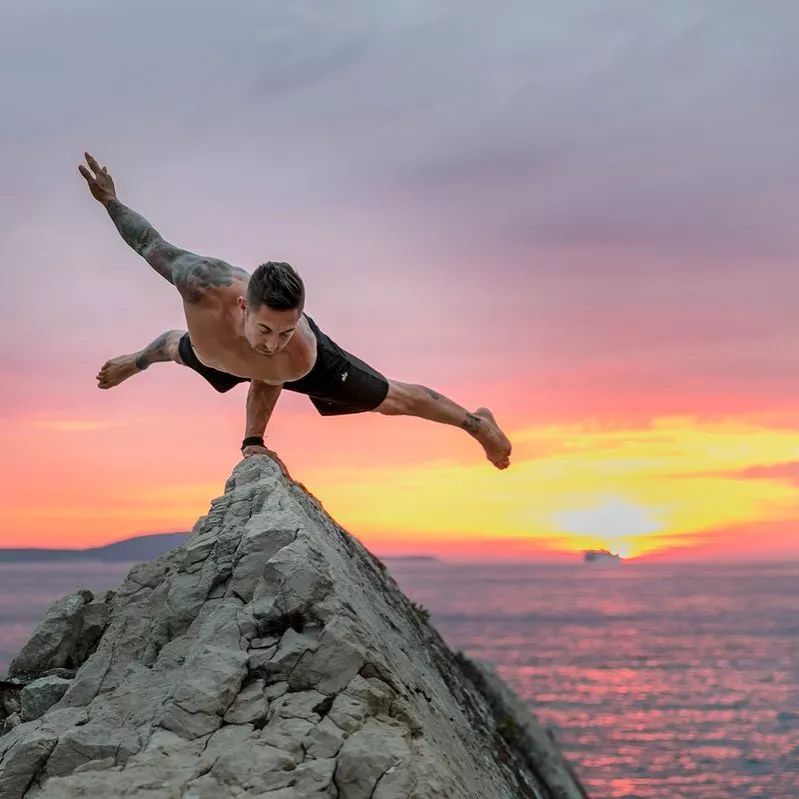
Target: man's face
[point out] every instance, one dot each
(267, 330)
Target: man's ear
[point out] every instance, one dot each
(242, 303)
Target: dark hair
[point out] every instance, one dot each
(276, 285)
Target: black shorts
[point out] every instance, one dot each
(338, 383)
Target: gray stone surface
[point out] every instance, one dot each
(268, 656)
(40, 695)
(65, 637)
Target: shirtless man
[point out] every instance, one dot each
(244, 328)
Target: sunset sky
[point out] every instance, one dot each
(581, 215)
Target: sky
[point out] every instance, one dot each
(580, 215)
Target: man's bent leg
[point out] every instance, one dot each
(409, 399)
(162, 349)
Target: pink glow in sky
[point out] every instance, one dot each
(581, 216)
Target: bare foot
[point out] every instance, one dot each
(495, 443)
(116, 370)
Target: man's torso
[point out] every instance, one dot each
(215, 329)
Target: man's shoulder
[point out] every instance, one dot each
(202, 278)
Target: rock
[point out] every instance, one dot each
(367, 755)
(11, 696)
(40, 695)
(9, 723)
(249, 705)
(324, 739)
(398, 782)
(348, 712)
(21, 758)
(269, 656)
(314, 777)
(65, 637)
(96, 765)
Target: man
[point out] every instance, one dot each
(244, 328)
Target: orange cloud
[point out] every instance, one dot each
(407, 486)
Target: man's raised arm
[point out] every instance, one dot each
(190, 273)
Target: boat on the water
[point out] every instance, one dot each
(600, 556)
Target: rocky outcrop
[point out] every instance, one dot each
(270, 656)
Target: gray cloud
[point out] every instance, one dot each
(670, 125)
(350, 134)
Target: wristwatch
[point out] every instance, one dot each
(259, 440)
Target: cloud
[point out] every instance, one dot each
(582, 124)
(787, 472)
(768, 540)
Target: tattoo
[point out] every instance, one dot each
(194, 275)
(191, 274)
(139, 234)
(156, 351)
(471, 423)
(433, 394)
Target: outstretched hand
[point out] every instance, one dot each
(100, 182)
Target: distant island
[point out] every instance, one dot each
(139, 548)
(600, 556)
(432, 558)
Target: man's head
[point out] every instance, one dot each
(273, 307)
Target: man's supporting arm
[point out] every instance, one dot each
(261, 400)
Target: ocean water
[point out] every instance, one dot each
(659, 682)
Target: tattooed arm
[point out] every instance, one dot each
(191, 274)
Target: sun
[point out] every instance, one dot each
(613, 523)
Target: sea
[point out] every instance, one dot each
(658, 681)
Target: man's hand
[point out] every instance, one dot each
(257, 449)
(100, 183)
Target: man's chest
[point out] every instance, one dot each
(219, 344)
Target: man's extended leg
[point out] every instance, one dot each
(164, 348)
(414, 400)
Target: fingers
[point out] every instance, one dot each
(85, 172)
(93, 164)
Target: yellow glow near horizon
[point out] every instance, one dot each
(592, 488)
(633, 490)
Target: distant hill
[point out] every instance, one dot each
(432, 558)
(138, 548)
